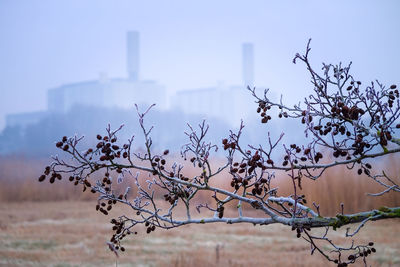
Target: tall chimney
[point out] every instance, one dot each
(133, 55)
(248, 64)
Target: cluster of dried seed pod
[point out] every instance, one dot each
(53, 177)
(262, 109)
(365, 168)
(120, 233)
(228, 145)
(299, 230)
(63, 144)
(392, 95)
(236, 181)
(159, 162)
(171, 198)
(305, 117)
(102, 206)
(150, 227)
(363, 251)
(175, 194)
(345, 112)
(258, 187)
(109, 150)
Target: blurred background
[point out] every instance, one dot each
(73, 67)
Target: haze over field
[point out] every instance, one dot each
(186, 45)
(82, 167)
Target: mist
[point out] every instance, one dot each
(183, 47)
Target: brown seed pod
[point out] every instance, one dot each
(59, 144)
(42, 177)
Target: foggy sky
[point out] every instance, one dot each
(189, 44)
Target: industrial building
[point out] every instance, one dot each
(229, 103)
(105, 92)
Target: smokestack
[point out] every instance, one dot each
(248, 64)
(133, 55)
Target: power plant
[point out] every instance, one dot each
(220, 101)
(229, 103)
(105, 92)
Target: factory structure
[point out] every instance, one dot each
(228, 103)
(105, 92)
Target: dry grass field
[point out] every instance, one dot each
(73, 234)
(57, 225)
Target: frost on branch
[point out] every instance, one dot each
(345, 123)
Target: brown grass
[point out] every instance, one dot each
(18, 178)
(73, 234)
(39, 228)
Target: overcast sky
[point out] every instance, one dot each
(189, 44)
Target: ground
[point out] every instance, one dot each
(74, 234)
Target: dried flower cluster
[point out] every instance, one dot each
(342, 121)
